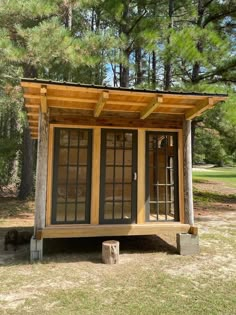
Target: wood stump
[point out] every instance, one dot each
(110, 252)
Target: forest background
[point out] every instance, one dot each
(176, 45)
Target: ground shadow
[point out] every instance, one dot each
(82, 249)
(207, 196)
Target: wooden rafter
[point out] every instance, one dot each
(206, 104)
(100, 104)
(43, 94)
(155, 102)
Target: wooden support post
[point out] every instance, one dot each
(41, 173)
(110, 252)
(188, 186)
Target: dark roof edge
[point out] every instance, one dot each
(116, 88)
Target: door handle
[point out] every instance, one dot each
(135, 176)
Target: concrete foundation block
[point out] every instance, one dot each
(187, 244)
(36, 249)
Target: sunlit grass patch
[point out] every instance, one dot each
(220, 174)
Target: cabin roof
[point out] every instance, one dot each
(98, 100)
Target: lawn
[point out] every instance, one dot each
(225, 175)
(150, 279)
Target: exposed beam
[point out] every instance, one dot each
(43, 94)
(151, 107)
(31, 105)
(35, 114)
(206, 104)
(177, 106)
(100, 104)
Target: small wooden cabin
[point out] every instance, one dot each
(112, 161)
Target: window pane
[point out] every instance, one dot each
(128, 158)
(153, 211)
(64, 137)
(60, 212)
(62, 175)
(118, 174)
(110, 140)
(63, 155)
(108, 210)
(83, 159)
(110, 157)
(119, 157)
(81, 193)
(127, 192)
(128, 175)
(82, 174)
(61, 193)
(118, 192)
(118, 210)
(109, 174)
(70, 212)
(108, 192)
(128, 140)
(71, 193)
(80, 212)
(74, 137)
(83, 138)
(127, 210)
(72, 175)
(73, 156)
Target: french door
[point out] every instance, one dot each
(72, 176)
(118, 184)
(161, 176)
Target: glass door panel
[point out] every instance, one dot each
(72, 176)
(118, 189)
(161, 176)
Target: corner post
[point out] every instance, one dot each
(188, 243)
(36, 249)
(188, 185)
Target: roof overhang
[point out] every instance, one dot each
(39, 95)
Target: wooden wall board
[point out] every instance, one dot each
(96, 154)
(113, 230)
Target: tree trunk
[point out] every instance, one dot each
(188, 186)
(124, 72)
(26, 185)
(138, 62)
(154, 66)
(27, 180)
(41, 173)
(167, 65)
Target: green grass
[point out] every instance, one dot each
(216, 174)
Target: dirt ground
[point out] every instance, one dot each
(207, 216)
(72, 279)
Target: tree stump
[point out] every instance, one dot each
(110, 252)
